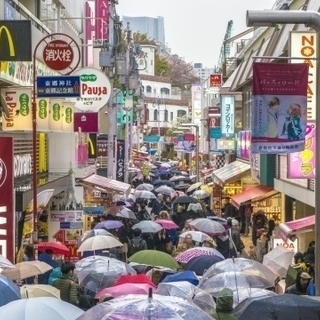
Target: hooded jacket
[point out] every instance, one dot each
(224, 305)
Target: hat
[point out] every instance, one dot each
(309, 258)
(298, 255)
(211, 241)
(235, 222)
(305, 275)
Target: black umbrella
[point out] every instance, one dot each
(285, 306)
(200, 264)
(160, 182)
(185, 200)
(182, 186)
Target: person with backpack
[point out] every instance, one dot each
(143, 213)
(136, 243)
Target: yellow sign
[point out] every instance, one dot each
(4, 29)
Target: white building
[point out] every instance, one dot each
(201, 72)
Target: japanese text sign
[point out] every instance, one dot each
(279, 107)
(227, 115)
(120, 160)
(215, 80)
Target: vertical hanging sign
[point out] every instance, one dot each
(279, 107)
(102, 17)
(120, 160)
(227, 115)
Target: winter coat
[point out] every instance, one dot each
(68, 289)
(224, 305)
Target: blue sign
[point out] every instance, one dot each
(151, 138)
(71, 225)
(215, 133)
(58, 87)
(93, 211)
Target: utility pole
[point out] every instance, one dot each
(112, 110)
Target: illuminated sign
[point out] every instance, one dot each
(22, 165)
(15, 40)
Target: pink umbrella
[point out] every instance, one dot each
(167, 224)
(127, 288)
(189, 254)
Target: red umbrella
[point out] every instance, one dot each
(138, 278)
(56, 247)
(127, 288)
(167, 224)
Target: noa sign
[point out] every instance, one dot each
(95, 90)
(288, 244)
(22, 165)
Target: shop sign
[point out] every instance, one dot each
(95, 89)
(22, 165)
(255, 166)
(18, 101)
(227, 115)
(120, 160)
(66, 216)
(21, 72)
(15, 40)
(288, 244)
(92, 146)
(55, 116)
(67, 117)
(102, 146)
(102, 20)
(93, 211)
(86, 122)
(225, 144)
(301, 165)
(6, 198)
(304, 45)
(43, 114)
(215, 80)
(244, 144)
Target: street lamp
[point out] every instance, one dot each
(310, 19)
(187, 125)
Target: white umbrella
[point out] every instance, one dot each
(165, 190)
(278, 260)
(195, 186)
(99, 242)
(148, 226)
(92, 233)
(197, 236)
(210, 227)
(200, 194)
(39, 290)
(5, 263)
(89, 260)
(127, 214)
(144, 195)
(145, 187)
(39, 309)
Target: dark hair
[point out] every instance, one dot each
(137, 232)
(86, 302)
(49, 251)
(29, 251)
(67, 266)
(273, 102)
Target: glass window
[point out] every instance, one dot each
(166, 113)
(155, 115)
(171, 116)
(148, 89)
(182, 113)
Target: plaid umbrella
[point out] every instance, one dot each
(189, 254)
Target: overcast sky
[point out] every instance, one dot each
(195, 29)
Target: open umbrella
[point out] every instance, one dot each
(135, 278)
(256, 293)
(113, 210)
(201, 264)
(123, 203)
(167, 224)
(186, 275)
(144, 195)
(200, 194)
(143, 307)
(195, 186)
(127, 288)
(160, 182)
(126, 214)
(210, 227)
(185, 200)
(84, 262)
(93, 233)
(154, 258)
(145, 187)
(179, 178)
(278, 260)
(148, 226)
(165, 190)
(188, 291)
(98, 243)
(285, 306)
(236, 273)
(187, 255)
(27, 269)
(9, 291)
(39, 290)
(40, 308)
(182, 186)
(5, 263)
(109, 225)
(56, 247)
(197, 236)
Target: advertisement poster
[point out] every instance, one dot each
(279, 107)
(301, 165)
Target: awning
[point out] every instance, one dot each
(109, 185)
(287, 229)
(252, 194)
(230, 172)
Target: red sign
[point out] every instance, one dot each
(58, 55)
(6, 198)
(69, 238)
(215, 80)
(87, 121)
(102, 19)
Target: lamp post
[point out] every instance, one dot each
(187, 125)
(157, 104)
(310, 19)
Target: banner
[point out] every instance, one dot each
(6, 198)
(227, 115)
(279, 107)
(120, 160)
(301, 165)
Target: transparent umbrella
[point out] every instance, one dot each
(93, 233)
(210, 227)
(126, 214)
(200, 194)
(144, 195)
(142, 307)
(148, 226)
(5, 263)
(186, 290)
(254, 293)
(145, 187)
(165, 190)
(236, 273)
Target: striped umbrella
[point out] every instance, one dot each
(186, 256)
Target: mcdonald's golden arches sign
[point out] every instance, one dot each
(15, 40)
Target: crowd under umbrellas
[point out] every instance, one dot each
(182, 279)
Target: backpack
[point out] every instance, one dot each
(135, 247)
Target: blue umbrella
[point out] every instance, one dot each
(109, 225)
(123, 203)
(9, 291)
(187, 275)
(160, 182)
(200, 264)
